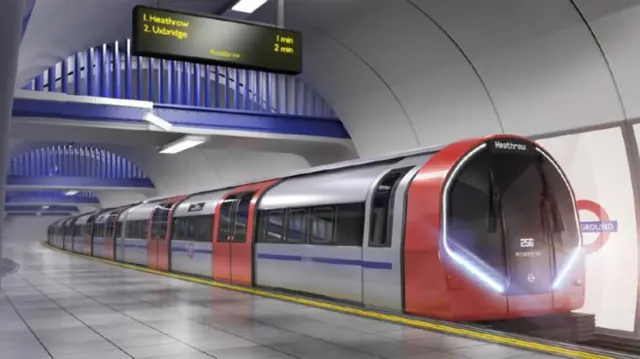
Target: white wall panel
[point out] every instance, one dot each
(616, 25)
(26, 229)
(598, 169)
(203, 169)
(395, 77)
(367, 109)
(538, 59)
(119, 198)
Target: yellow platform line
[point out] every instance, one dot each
(493, 338)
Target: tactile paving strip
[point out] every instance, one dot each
(7, 266)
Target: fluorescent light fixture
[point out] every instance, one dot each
(45, 206)
(248, 6)
(157, 121)
(71, 192)
(182, 144)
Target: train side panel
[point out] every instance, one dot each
(383, 233)
(330, 271)
(135, 251)
(192, 257)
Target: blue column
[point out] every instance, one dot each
(11, 30)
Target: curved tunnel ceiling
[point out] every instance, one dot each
(402, 74)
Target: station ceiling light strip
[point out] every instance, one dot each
(182, 144)
(248, 6)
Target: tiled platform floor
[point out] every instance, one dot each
(63, 307)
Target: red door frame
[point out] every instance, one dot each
(110, 240)
(233, 261)
(87, 234)
(158, 249)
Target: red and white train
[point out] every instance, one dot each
(481, 229)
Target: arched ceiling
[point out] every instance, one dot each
(191, 171)
(406, 73)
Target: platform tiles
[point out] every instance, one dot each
(64, 307)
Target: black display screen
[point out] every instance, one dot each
(196, 38)
(512, 145)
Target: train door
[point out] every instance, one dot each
(382, 277)
(158, 240)
(109, 237)
(87, 231)
(233, 251)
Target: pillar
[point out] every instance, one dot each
(11, 17)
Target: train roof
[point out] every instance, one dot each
(336, 186)
(199, 204)
(84, 218)
(138, 212)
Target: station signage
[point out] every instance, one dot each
(212, 40)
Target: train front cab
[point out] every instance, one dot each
(500, 239)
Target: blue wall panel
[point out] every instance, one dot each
(75, 166)
(30, 214)
(50, 197)
(78, 182)
(102, 67)
(32, 208)
(247, 121)
(183, 115)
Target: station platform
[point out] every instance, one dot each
(65, 307)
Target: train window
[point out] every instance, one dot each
(159, 221)
(118, 230)
(194, 228)
(297, 226)
(322, 225)
(242, 217)
(474, 226)
(275, 226)
(260, 233)
(350, 224)
(226, 213)
(381, 210)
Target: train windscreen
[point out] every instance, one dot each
(511, 216)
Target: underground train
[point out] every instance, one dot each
(481, 229)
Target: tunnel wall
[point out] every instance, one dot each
(23, 229)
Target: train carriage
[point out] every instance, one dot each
(192, 234)
(67, 233)
(481, 229)
(99, 233)
(131, 245)
(79, 240)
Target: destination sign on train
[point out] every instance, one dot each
(195, 38)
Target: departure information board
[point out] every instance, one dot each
(195, 38)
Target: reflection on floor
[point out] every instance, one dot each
(64, 307)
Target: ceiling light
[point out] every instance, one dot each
(182, 144)
(248, 6)
(38, 214)
(72, 192)
(157, 121)
(45, 207)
